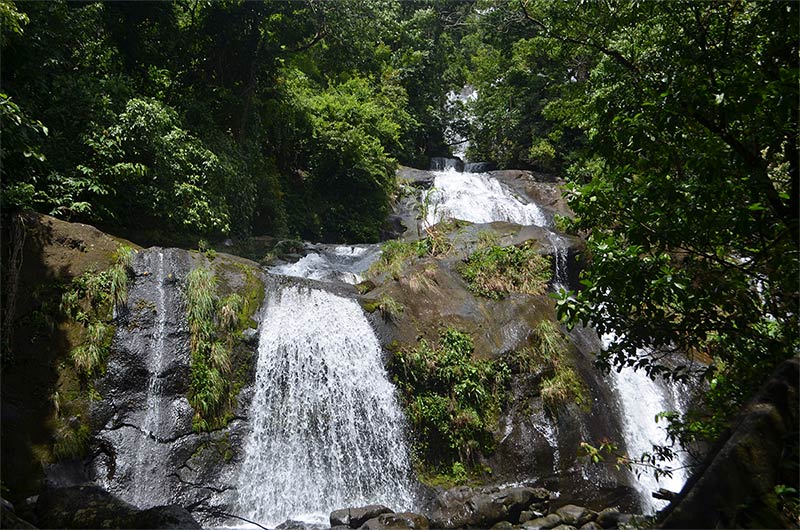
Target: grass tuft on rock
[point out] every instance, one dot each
(496, 272)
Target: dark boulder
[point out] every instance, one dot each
(9, 518)
(397, 521)
(90, 506)
(482, 508)
(735, 487)
(356, 517)
(575, 515)
(543, 523)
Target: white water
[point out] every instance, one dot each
(478, 198)
(561, 272)
(640, 400)
(327, 431)
(341, 262)
(151, 420)
(145, 485)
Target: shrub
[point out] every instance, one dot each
(90, 356)
(451, 399)
(549, 354)
(498, 271)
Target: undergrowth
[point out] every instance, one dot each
(495, 272)
(452, 400)
(215, 326)
(549, 354)
(88, 303)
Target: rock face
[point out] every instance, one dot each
(93, 507)
(735, 487)
(139, 444)
(145, 411)
(39, 253)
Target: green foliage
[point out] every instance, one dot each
(215, 325)
(90, 356)
(89, 301)
(390, 308)
(495, 272)
(688, 186)
(196, 119)
(71, 441)
(394, 254)
(548, 355)
(451, 399)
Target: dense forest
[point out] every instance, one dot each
(674, 123)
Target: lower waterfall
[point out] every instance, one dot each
(641, 399)
(327, 430)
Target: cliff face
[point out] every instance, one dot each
(128, 425)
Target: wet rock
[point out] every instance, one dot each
(9, 518)
(609, 518)
(356, 517)
(397, 521)
(575, 515)
(591, 525)
(747, 463)
(93, 507)
(340, 517)
(483, 508)
(528, 515)
(543, 523)
(503, 525)
(172, 517)
(565, 527)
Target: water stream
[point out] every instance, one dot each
(344, 263)
(327, 430)
(478, 198)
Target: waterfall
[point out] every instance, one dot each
(327, 430)
(148, 413)
(560, 265)
(640, 400)
(143, 486)
(150, 424)
(344, 263)
(478, 198)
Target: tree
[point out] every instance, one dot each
(689, 185)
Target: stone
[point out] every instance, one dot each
(397, 521)
(359, 516)
(9, 519)
(609, 518)
(528, 515)
(167, 517)
(591, 525)
(747, 463)
(503, 525)
(340, 517)
(90, 506)
(565, 527)
(543, 523)
(575, 515)
(482, 508)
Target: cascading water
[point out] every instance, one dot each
(327, 430)
(148, 348)
(478, 198)
(143, 483)
(640, 400)
(342, 263)
(560, 265)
